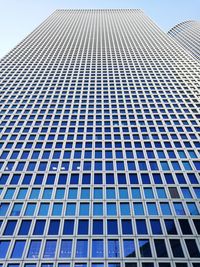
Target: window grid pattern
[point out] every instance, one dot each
(187, 34)
(99, 160)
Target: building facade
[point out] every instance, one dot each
(187, 34)
(100, 145)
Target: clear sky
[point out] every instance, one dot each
(19, 17)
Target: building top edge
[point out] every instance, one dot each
(182, 23)
(97, 9)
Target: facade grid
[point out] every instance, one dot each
(99, 145)
(187, 34)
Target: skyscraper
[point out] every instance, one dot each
(100, 149)
(187, 34)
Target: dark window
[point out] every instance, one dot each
(161, 250)
(112, 227)
(176, 248)
(10, 227)
(174, 192)
(145, 249)
(83, 227)
(54, 227)
(182, 264)
(97, 227)
(192, 248)
(164, 264)
(185, 227)
(197, 225)
(68, 227)
(130, 264)
(127, 227)
(156, 227)
(24, 227)
(148, 264)
(39, 227)
(170, 227)
(141, 227)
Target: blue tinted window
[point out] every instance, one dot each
(65, 249)
(39, 227)
(50, 249)
(18, 249)
(97, 249)
(127, 227)
(83, 227)
(112, 227)
(129, 248)
(10, 227)
(113, 248)
(156, 227)
(24, 227)
(97, 227)
(141, 227)
(4, 248)
(34, 249)
(81, 248)
(68, 228)
(54, 227)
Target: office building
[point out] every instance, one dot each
(100, 145)
(187, 34)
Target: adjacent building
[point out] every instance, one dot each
(99, 145)
(187, 34)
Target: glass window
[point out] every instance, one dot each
(192, 248)
(57, 209)
(176, 248)
(97, 209)
(70, 209)
(165, 209)
(34, 249)
(72, 193)
(112, 227)
(110, 193)
(170, 227)
(39, 227)
(30, 209)
(65, 249)
(152, 209)
(129, 248)
(18, 249)
(161, 250)
(138, 209)
(54, 227)
(97, 248)
(68, 228)
(24, 227)
(10, 227)
(113, 248)
(4, 248)
(84, 209)
(83, 227)
(81, 248)
(16, 209)
(97, 227)
(44, 209)
(111, 209)
(145, 248)
(124, 209)
(156, 227)
(50, 249)
(141, 227)
(127, 227)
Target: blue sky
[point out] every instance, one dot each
(19, 17)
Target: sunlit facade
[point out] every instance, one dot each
(187, 34)
(99, 145)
